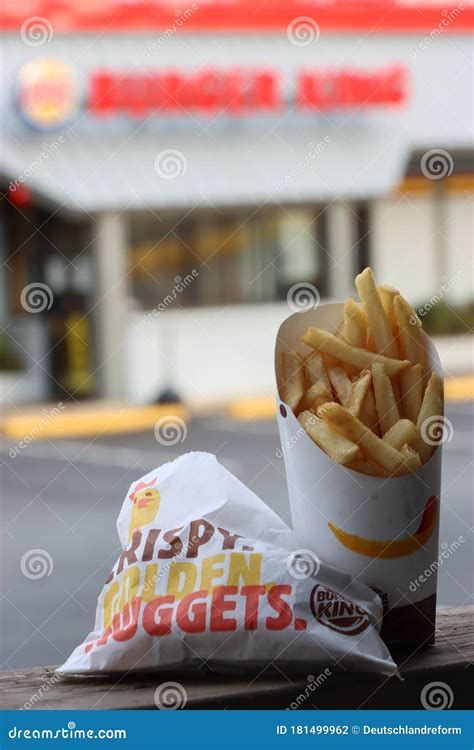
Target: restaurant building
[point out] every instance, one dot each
(170, 178)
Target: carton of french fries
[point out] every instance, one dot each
(360, 413)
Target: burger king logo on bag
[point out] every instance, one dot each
(336, 612)
(47, 93)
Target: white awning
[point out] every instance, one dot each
(251, 166)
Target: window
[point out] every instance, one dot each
(240, 256)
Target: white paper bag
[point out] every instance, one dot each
(209, 574)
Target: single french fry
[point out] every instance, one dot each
(339, 448)
(430, 418)
(358, 392)
(432, 404)
(314, 396)
(355, 324)
(292, 379)
(411, 461)
(315, 370)
(387, 297)
(329, 360)
(402, 433)
(370, 344)
(325, 342)
(341, 383)
(368, 412)
(352, 428)
(369, 467)
(379, 326)
(411, 391)
(410, 333)
(385, 403)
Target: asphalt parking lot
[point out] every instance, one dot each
(64, 496)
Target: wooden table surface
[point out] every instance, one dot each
(449, 661)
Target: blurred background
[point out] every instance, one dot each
(175, 180)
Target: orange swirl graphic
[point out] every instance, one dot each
(392, 549)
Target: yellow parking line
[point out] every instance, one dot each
(252, 409)
(264, 407)
(86, 420)
(93, 419)
(459, 389)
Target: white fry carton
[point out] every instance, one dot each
(383, 531)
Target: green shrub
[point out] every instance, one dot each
(8, 359)
(443, 319)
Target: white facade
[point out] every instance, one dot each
(337, 160)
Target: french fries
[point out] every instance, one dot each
(431, 407)
(367, 466)
(355, 324)
(361, 359)
(411, 459)
(385, 403)
(316, 395)
(368, 412)
(378, 322)
(411, 391)
(341, 383)
(402, 433)
(410, 334)
(341, 449)
(362, 393)
(387, 297)
(371, 445)
(358, 393)
(292, 383)
(315, 370)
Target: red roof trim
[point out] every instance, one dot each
(335, 16)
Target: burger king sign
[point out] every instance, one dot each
(47, 93)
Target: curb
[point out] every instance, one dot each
(459, 389)
(75, 421)
(98, 419)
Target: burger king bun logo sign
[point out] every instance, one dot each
(338, 613)
(47, 95)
